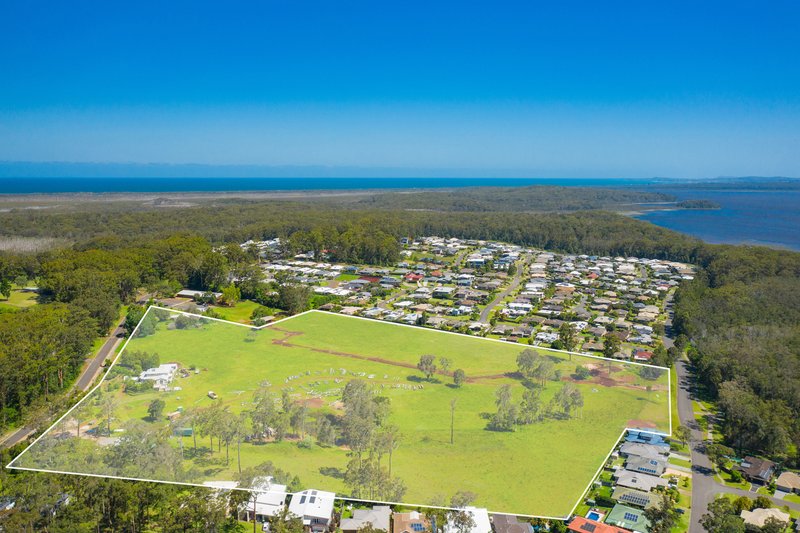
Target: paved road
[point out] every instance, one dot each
(705, 487)
(511, 288)
(87, 377)
(83, 383)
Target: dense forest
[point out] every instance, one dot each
(742, 312)
(743, 316)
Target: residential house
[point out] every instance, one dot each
(639, 449)
(644, 465)
(413, 522)
(267, 500)
(637, 498)
(758, 517)
(629, 518)
(379, 516)
(506, 523)
(580, 524)
(314, 507)
(635, 480)
(757, 470)
(788, 482)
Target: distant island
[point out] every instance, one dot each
(698, 204)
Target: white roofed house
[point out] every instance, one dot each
(267, 500)
(161, 375)
(314, 507)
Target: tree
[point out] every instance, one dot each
(568, 338)
(774, 525)
(664, 516)
(531, 407)
(683, 434)
(444, 364)
(506, 415)
(762, 502)
(722, 518)
(527, 362)
(544, 370)
(459, 377)
(231, 295)
(155, 409)
(132, 318)
(611, 345)
(5, 287)
(427, 365)
(581, 372)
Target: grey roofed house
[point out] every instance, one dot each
(378, 516)
(644, 465)
(506, 523)
(635, 480)
(637, 498)
(755, 469)
(638, 449)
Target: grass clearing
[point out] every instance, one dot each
(540, 469)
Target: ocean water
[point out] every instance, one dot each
(154, 185)
(766, 218)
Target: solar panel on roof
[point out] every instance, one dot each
(417, 527)
(312, 499)
(588, 527)
(630, 517)
(303, 499)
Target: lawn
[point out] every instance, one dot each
(540, 469)
(240, 312)
(19, 299)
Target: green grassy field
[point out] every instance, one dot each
(539, 469)
(19, 299)
(240, 312)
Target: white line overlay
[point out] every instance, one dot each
(11, 465)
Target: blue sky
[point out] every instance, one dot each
(563, 89)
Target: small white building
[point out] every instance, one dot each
(314, 507)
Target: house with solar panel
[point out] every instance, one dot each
(643, 465)
(628, 518)
(413, 522)
(637, 498)
(315, 508)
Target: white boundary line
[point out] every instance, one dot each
(404, 504)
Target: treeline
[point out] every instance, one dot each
(743, 316)
(59, 503)
(536, 198)
(41, 351)
(358, 233)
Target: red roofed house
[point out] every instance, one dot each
(580, 524)
(412, 277)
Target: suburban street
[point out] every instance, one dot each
(511, 288)
(84, 381)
